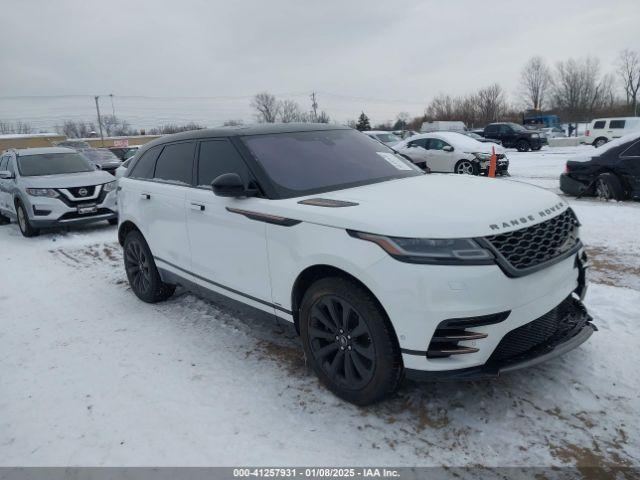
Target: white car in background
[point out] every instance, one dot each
(388, 138)
(452, 152)
(603, 130)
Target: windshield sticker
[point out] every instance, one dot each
(395, 161)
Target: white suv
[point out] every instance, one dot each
(603, 130)
(384, 270)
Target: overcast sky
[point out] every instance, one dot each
(405, 51)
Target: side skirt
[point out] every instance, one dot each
(215, 297)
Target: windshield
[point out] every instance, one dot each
(388, 138)
(302, 163)
(100, 156)
(52, 164)
(517, 128)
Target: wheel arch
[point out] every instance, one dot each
(124, 229)
(316, 272)
(606, 140)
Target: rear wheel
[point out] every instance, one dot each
(142, 272)
(609, 187)
(523, 146)
(467, 167)
(23, 221)
(349, 342)
(599, 142)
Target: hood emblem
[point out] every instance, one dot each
(83, 192)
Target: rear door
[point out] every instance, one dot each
(154, 195)
(629, 168)
(228, 245)
(416, 150)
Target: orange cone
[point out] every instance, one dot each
(493, 163)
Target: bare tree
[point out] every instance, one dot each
(18, 127)
(629, 72)
(322, 117)
(441, 107)
(491, 103)
(535, 82)
(579, 90)
(233, 123)
(290, 111)
(267, 107)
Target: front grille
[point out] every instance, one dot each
(535, 245)
(564, 321)
(82, 192)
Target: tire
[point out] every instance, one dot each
(26, 228)
(598, 142)
(142, 272)
(535, 149)
(113, 221)
(608, 187)
(466, 167)
(4, 220)
(523, 146)
(357, 358)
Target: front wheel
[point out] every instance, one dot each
(142, 272)
(349, 341)
(467, 167)
(24, 223)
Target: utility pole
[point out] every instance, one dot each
(314, 106)
(113, 109)
(99, 120)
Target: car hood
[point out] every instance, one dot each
(68, 180)
(428, 206)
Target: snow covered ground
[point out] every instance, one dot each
(89, 375)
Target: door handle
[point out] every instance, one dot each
(146, 196)
(197, 206)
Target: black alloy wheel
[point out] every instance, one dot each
(341, 342)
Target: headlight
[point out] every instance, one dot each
(534, 135)
(457, 251)
(482, 155)
(42, 192)
(111, 186)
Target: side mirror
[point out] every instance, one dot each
(447, 148)
(231, 185)
(5, 175)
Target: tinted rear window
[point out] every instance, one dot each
(175, 163)
(599, 124)
(616, 123)
(301, 163)
(53, 164)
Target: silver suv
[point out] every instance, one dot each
(49, 187)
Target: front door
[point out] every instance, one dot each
(229, 249)
(439, 159)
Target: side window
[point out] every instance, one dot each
(421, 142)
(3, 162)
(145, 166)
(175, 163)
(10, 166)
(505, 129)
(218, 157)
(617, 123)
(437, 144)
(492, 129)
(599, 124)
(632, 151)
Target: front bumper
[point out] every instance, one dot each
(502, 167)
(47, 212)
(432, 295)
(574, 328)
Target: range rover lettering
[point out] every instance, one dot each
(385, 271)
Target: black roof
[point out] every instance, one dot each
(236, 131)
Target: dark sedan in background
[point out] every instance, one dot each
(102, 158)
(612, 172)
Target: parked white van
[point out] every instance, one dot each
(603, 130)
(443, 126)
